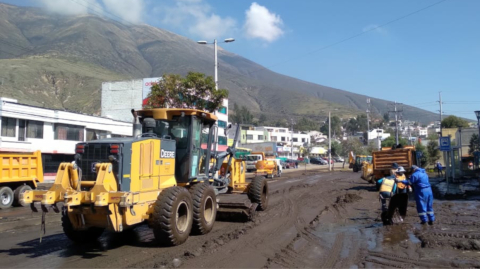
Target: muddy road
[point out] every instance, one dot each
(314, 219)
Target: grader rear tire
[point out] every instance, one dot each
(172, 216)
(204, 208)
(80, 236)
(16, 195)
(258, 192)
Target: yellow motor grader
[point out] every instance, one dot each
(161, 176)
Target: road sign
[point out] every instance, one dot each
(445, 143)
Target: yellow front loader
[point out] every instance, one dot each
(161, 176)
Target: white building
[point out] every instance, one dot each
(378, 133)
(283, 136)
(119, 97)
(27, 128)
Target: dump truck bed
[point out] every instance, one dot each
(21, 167)
(382, 160)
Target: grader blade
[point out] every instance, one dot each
(235, 208)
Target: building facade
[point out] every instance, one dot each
(55, 133)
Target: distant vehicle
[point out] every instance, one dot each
(251, 161)
(290, 163)
(338, 159)
(318, 161)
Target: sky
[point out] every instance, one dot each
(399, 50)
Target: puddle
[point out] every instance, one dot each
(395, 234)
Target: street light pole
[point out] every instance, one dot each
(228, 40)
(216, 64)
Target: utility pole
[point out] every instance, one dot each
(291, 139)
(396, 111)
(440, 102)
(329, 143)
(368, 116)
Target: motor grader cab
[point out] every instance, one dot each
(161, 176)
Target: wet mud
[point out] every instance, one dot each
(315, 219)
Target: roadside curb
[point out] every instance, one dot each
(19, 223)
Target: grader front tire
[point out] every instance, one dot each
(258, 192)
(80, 236)
(204, 208)
(172, 216)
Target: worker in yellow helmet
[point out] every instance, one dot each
(397, 193)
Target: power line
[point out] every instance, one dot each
(348, 38)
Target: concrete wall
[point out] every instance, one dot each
(119, 97)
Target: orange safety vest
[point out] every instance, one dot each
(400, 185)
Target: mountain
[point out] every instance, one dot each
(60, 61)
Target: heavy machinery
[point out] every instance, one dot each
(20, 171)
(161, 176)
(357, 162)
(383, 159)
(267, 167)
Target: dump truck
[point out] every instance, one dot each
(269, 168)
(383, 159)
(162, 176)
(21, 171)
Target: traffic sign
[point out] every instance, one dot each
(445, 143)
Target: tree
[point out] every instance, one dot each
(354, 145)
(336, 126)
(196, 90)
(473, 146)
(424, 153)
(242, 115)
(362, 122)
(433, 152)
(262, 119)
(336, 148)
(386, 117)
(454, 122)
(305, 124)
(352, 126)
(391, 141)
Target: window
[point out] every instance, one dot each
(35, 129)
(96, 134)
(260, 137)
(8, 126)
(295, 139)
(283, 138)
(222, 110)
(274, 138)
(304, 140)
(222, 140)
(68, 132)
(282, 130)
(249, 137)
(222, 124)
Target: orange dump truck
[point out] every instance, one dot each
(20, 171)
(383, 159)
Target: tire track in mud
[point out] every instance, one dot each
(398, 261)
(280, 218)
(334, 253)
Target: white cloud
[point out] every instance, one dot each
(68, 7)
(263, 24)
(374, 28)
(129, 10)
(198, 18)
